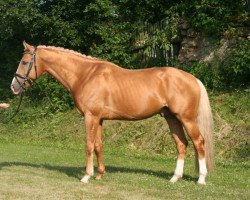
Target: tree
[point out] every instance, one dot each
(106, 28)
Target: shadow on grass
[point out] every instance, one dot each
(78, 172)
(159, 174)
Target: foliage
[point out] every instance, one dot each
(232, 122)
(35, 22)
(228, 72)
(215, 16)
(236, 65)
(110, 34)
(109, 29)
(48, 91)
(208, 73)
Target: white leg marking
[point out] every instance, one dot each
(202, 171)
(85, 179)
(178, 171)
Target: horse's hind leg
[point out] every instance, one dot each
(181, 143)
(198, 141)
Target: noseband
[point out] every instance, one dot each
(26, 77)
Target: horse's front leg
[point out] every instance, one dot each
(91, 125)
(98, 151)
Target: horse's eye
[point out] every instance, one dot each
(25, 62)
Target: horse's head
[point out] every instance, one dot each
(27, 70)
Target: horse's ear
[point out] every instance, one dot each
(27, 47)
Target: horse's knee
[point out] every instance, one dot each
(98, 147)
(89, 148)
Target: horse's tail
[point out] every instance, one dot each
(205, 124)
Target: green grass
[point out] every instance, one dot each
(43, 157)
(35, 172)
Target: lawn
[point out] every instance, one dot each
(42, 172)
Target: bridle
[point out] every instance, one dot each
(26, 77)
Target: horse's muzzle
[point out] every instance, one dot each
(16, 88)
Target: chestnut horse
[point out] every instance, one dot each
(103, 91)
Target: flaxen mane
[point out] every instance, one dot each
(68, 51)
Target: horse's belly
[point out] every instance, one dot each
(134, 109)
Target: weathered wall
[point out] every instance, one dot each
(196, 46)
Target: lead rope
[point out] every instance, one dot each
(17, 109)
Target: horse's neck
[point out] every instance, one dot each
(67, 69)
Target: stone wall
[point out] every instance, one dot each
(198, 47)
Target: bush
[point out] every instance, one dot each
(209, 74)
(231, 71)
(235, 68)
(47, 90)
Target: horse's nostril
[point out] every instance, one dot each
(14, 89)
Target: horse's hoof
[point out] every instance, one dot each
(85, 179)
(175, 178)
(201, 180)
(99, 177)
